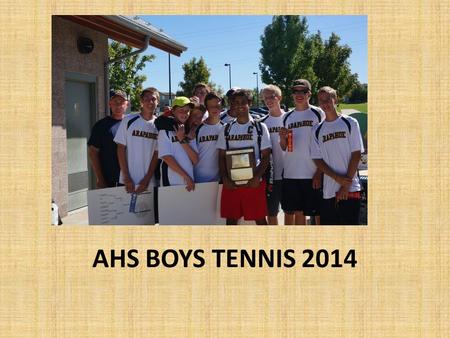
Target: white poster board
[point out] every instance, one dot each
(115, 206)
(177, 206)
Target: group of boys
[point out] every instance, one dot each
(305, 159)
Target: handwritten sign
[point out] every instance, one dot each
(116, 207)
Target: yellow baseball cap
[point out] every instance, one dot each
(182, 101)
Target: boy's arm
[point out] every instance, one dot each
(192, 154)
(318, 175)
(143, 184)
(173, 164)
(356, 147)
(317, 179)
(260, 169)
(283, 138)
(342, 180)
(263, 164)
(96, 165)
(353, 165)
(181, 137)
(315, 152)
(121, 155)
(342, 194)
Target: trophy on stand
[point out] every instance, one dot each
(241, 164)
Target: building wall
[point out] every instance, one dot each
(164, 100)
(66, 58)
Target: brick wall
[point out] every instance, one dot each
(66, 58)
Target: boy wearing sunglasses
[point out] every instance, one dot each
(301, 178)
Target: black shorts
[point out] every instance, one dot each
(299, 195)
(345, 212)
(274, 197)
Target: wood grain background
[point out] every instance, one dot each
(400, 286)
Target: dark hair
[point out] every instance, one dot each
(244, 93)
(201, 85)
(200, 107)
(211, 96)
(152, 90)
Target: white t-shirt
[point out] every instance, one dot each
(273, 125)
(334, 142)
(298, 163)
(225, 118)
(169, 145)
(140, 137)
(207, 168)
(244, 135)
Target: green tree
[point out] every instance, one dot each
(195, 71)
(256, 102)
(124, 74)
(289, 52)
(286, 53)
(332, 67)
(216, 88)
(358, 94)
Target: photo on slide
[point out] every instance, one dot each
(292, 87)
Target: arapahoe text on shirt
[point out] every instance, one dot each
(229, 258)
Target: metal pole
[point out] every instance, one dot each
(257, 89)
(229, 72)
(170, 84)
(108, 62)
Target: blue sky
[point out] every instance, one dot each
(236, 40)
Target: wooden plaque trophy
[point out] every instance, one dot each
(241, 164)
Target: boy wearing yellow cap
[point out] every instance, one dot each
(178, 153)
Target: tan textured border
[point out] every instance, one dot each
(400, 286)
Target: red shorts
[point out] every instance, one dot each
(247, 202)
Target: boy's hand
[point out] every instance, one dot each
(253, 183)
(167, 111)
(129, 185)
(194, 100)
(342, 194)
(229, 184)
(317, 180)
(190, 185)
(283, 138)
(180, 132)
(191, 134)
(101, 184)
(143, 185)
(343, 180)
(283, 133)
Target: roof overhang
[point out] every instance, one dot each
(128, 30)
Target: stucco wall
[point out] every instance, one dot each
(66, 58)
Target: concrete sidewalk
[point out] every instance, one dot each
(77, 217)
(349, 111)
